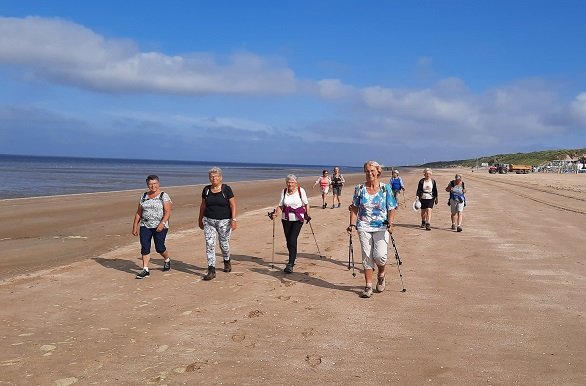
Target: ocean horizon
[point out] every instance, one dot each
(26, 176)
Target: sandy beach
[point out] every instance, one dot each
(500, 303)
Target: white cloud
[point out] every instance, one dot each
(578, 109)
(72, 54)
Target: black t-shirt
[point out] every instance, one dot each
(217, 205)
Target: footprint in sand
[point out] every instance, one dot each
(308, 332)
(255, 314)
(238, 337)
(162, 348)
(195, 366)
(289, 283)
(284, 298)
(313, 360)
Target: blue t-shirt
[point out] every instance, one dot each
(373, 209)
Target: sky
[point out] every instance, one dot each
(296, 82)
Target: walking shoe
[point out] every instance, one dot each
(453, 227)
(459, 229)
(142, 274)
(428, 227)
(288, 268)
(324, 206)
(380, 284)
(333, 206)
(166, 266)
(339, 204)
(211, 273)
(227, 266)
(367, 292)
(423, 224)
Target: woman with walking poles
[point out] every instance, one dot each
(217, 218)
(372, 213)
(293, 209)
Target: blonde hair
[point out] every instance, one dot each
(379, 168)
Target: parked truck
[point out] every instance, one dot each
(501, 168)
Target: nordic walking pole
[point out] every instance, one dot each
(316, 244)
(399, 263)
(271, 216)
(351, 255)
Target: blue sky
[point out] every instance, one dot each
(311, 82)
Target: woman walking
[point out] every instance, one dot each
(428, 196)
(217, 218)
(397, 185)
(151, 221)
(337, 184)
(293, 209)
(372, 214)
(324, 183)
(457, 201)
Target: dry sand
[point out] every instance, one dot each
(501, 303)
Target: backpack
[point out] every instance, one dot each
(144, 197)
(208, 189)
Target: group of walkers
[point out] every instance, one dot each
(372, 214)
(335, 182)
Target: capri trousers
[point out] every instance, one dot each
(374, 248)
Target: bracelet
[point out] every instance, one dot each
(234, 219)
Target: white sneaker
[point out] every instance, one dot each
(366, 293)
(380, 284)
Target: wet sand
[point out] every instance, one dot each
(500, 303)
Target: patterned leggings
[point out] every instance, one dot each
(220, 229)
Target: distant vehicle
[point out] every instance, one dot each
(501, 168)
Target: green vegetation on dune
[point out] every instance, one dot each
(535, 158)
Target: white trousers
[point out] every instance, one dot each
(374, 248)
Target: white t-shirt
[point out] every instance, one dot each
(427, 189)
(294, 201)
(152, 210)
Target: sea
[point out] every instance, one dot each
(24, 176)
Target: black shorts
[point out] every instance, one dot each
(427, 203)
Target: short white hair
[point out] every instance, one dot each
(291, 177)
(427, 170)
(215, 170)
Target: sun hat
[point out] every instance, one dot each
(416, 205)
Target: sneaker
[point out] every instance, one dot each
(339, 204)
(288, 268)
(423, 224)
(166, 266)
(367, 292)
(380, 284)
(333, 206)
(211, 273)
(142, 274)
(428, 227)
(459, 229)
(227, 266)
(324, 206)
(453, 227)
